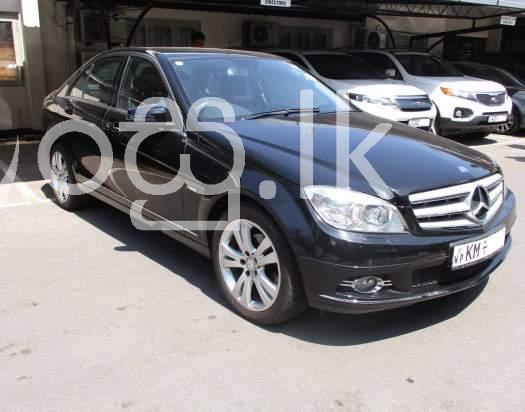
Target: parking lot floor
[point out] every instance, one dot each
(96, 315)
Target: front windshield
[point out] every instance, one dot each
(426, 65)
(342, 67)
(252, 85)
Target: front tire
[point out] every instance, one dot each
(256, 270)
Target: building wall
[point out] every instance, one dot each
(57, 44)
(51, 47)
(436, 25)
(225, 30)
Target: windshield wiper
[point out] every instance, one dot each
(281, 112)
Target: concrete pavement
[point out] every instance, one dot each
(95, 315)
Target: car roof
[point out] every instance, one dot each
(473, 64)
(388, 51)
(307, 52)
(188, 51)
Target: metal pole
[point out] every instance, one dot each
(106, 25)
(138, 21)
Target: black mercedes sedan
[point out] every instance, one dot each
(332, 208)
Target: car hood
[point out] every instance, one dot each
(376, 88)
(466, 83)
(408, 160)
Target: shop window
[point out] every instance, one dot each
(10, 53)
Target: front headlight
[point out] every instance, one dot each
(385, 101)
(354, 211)
(459, 93)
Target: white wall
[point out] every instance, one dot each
(225, 30)
(57, 41)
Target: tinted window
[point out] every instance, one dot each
(426, 65)
(76, 89)
(342, 67)
(251, 85)
(141, 81)
(378, 62)
(100, 81)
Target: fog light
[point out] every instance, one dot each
(369, 284)
(461, 112)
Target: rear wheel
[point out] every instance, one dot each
(62, 179)
(255, 269)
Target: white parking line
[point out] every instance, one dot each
(16, 204)
(20, 186)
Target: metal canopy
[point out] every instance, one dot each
(338, 9)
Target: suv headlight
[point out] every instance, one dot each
(354, 211)
(385, 101)
(459, 93)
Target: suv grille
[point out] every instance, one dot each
(491, 99)
(464, 206)
(413, 103)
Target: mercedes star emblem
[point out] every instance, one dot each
(480, 203)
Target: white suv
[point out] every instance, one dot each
(366, 88)
(466, 105)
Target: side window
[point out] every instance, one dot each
(141, 81)
(76, 89)
(381, 63)
(100, 80)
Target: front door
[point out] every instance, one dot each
(158, 156)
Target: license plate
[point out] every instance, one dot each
(498, 118)
(467, 254)
(419, 122)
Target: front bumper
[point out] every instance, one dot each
(474, 125)
(395, 114)
(417, 267)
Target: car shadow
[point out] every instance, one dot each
(333, 329)
(517, 158)
(473, 140)
(313, 326)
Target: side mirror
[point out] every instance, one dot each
(391, 73)
(154, 114)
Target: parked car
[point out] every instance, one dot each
(366, 88)
(515, 89)
(440, 224)
(513, 63)
(466, 105)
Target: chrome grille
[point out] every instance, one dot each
(452, 207)
(413, 103)
(491, 99)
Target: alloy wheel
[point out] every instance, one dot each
(249, 265)
(507, 127)
(60, 177)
